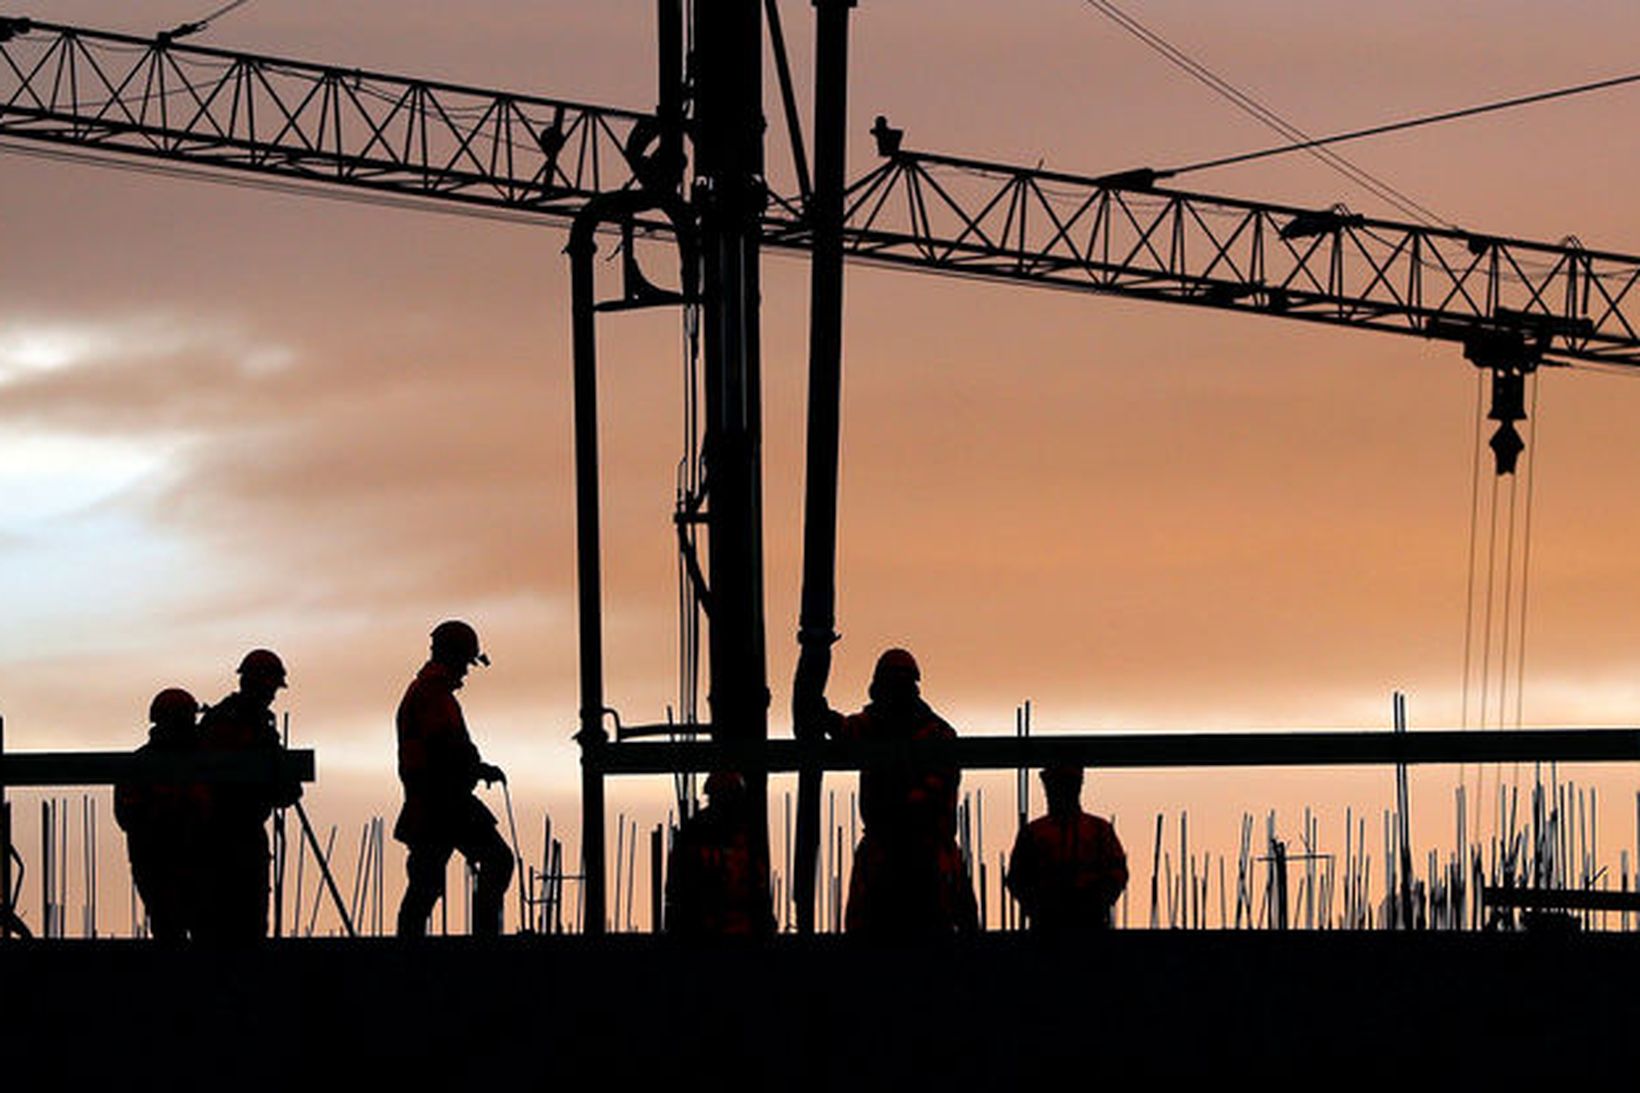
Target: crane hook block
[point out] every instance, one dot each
(1508, 407)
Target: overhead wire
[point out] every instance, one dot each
(1264, 114)
(1412, 123)
(221, 11)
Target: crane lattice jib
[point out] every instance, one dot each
(1511, 300)
(1119, 234)
(161, 99)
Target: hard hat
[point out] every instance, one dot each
(896, 662)
(172, 704)
(720, 781)
(458, 640)
(263, 664)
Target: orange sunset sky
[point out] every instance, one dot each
(231, 418)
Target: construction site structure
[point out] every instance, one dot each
(691, 173)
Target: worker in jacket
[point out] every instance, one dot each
(440, 767)
(714, 886)
(234, 847)
(909, 877)
(163, 820)
(1067, 868)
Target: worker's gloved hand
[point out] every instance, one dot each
(491, 774)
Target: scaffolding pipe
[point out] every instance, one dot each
(817, 622)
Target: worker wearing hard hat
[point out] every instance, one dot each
(713, 884)
(909, 876)
(440, 766)
(163, 821)
(235, 857)
(1067, 868)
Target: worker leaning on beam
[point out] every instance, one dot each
(1067, 868)
(909, 877)
(164, 821)
(440, 767)
(234, 855)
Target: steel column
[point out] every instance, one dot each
(818, 618)
(588, 565)
(729, 196)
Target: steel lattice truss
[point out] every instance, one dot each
(307, 122)
(420, 139)
(1119, 235)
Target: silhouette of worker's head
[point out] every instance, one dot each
(172, 709)
(455, 645)
(1063, 784)
(894, 681)
(261, 676)
(726, 790)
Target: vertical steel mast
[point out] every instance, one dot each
(818, 614)
(729, 198)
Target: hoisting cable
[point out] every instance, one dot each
(1264, 114)
(1508, 603)
(1486, 625)
(1526, 564)
(1474, 528)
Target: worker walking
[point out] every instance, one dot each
(713, 884)
(234, 852)
(1067, 868)
(163, 820)
(440, 767)
(909, 877)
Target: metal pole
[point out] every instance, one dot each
(594, 741)
(817, 620)
(730, 195)
(589, 577)
(324, 870)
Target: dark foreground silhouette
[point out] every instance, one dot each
(983, 1012)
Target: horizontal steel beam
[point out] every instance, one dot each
(102, 768)
(1141, 750)
(1561, 899)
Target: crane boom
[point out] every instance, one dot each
(1120, 234)
(534, 156)
(303, 122)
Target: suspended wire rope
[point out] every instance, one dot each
(221, 11)
(1506, 629)
(1474, 526)
(1264, 114)
(1412, 123)
(1526, 562)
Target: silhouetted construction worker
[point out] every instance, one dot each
(713, 885)
(909, 876)
(1067, 868)
(163, 821)
(440, 767)
(234, 859)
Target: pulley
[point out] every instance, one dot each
(1508, 407)
(1509, 357)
